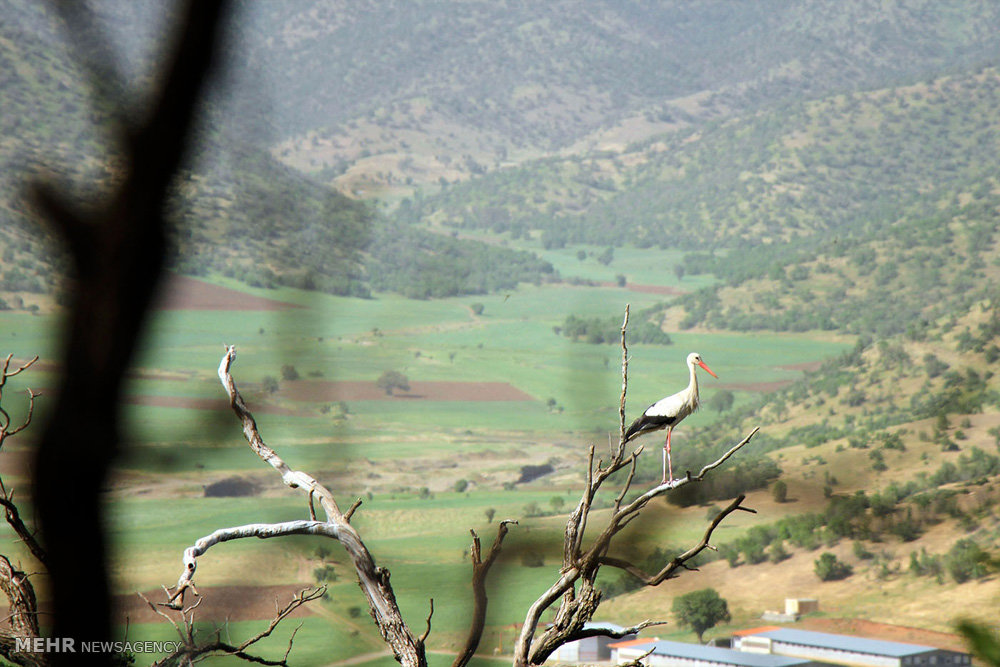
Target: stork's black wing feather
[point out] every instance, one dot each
(647, 424)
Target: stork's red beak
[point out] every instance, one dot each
(709, 370)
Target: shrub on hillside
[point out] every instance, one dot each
(829, 568)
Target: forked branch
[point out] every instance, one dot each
(480, 568)
(575, 591)
(191, 651)
(374, 580)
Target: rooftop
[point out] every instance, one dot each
(756, 631)
(724, 655)
(634, 642)
(843, 642)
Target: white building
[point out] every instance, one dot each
(591, 649)
(680, 654)
(845, 650)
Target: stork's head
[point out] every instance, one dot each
(694, 359)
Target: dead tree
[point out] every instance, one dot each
(374, 580)
(575, 590)
(192, 648)
(22, 619)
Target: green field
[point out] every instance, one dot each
(402, 456)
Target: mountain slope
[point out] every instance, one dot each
(482, 83)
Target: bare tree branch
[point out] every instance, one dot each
(575, 589)
(13, 517)
(190, 650)
(480, 569)
(574, 594)
(614, 634)
(20, 593)
(680, 561)
(5, 372)
(621, 406)
(350, 510)
(294, 479)
(22, 620)
(374, 580)
(259, 530)
(427, 633)
(638, 662)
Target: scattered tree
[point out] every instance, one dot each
(701, 610)
(722, 400)
(779, 491)
(392, 380)
(967, 560)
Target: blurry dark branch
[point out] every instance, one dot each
(117, 247)
(480, 569)
(93, 48)
(575, 590)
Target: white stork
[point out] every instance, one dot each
(667, 412)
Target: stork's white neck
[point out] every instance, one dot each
(693, 383)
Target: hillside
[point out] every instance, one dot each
(239, 212)
(865, 213)
(454, 94)
(847, 164)
(890, 459)
(490, 120)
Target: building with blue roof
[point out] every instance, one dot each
(680, 654)
(846, 650)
